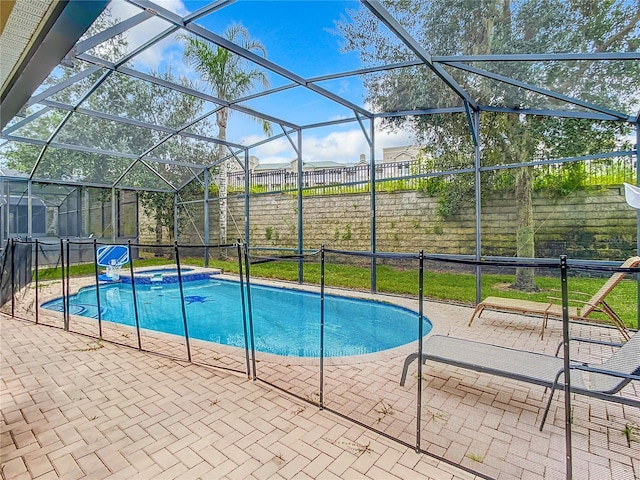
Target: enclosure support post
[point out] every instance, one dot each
(29, 210)
(8, 210)
(476, 166)
(95, 268)
(4, 220)
(420, 334)
(372, 181)
(321, 401)
(175, 217)
(244, 308)
(247, 172)
(118, 215)
(133, 292)
(113, 215)
(137, 217)
(250, 311)
(567, 365)
(184, 311)
(638, 215)
(79, 225)
(300, 238)
(37, 283)
(86, 208)
(206, 218)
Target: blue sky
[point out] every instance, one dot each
(300, 36)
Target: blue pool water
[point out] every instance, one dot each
(286, 322)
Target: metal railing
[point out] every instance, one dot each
(411, 175)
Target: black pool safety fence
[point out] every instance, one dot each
(482, 396)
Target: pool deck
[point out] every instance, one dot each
(73, 407)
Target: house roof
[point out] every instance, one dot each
(267, 167)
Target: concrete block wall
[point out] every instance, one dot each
(586, 224)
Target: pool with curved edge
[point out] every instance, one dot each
(286, 321)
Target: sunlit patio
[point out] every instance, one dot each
(485, 424)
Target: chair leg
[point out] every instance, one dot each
(546, 410)
(616, 321)
(407, 361)
(544, 325)
(478, 312)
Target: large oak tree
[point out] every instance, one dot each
(480, 27)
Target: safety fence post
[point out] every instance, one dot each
(13, 277)
(68, 282)
(95, 267)
(321, 402)
(244, 308)
(184, 311)
(250, 310)
(64, 292)
(420, 334)
(135, 300)
(567, 365)
(37, 305)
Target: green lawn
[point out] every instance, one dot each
(455, 287)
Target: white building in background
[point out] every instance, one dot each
(396, 162)
(400, 154)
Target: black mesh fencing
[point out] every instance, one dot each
(399, 349)
(5, 279)
(284, 322)
(50, 279)
(16, 278)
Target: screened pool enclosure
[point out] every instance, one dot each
(353, 144)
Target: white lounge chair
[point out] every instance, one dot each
(602, 380)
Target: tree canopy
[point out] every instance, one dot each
(229, 77)
(491, 27)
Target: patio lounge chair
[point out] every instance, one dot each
(580, 312)
(595, 380)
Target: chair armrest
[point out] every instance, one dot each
(587, 368)
(571, 300)
(588, 340)
(571, 292)
(597, 342)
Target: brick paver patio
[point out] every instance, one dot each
(73, 406)
(76, 408)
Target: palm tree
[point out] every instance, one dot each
(229, 77)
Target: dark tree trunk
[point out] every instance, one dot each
(525, 244)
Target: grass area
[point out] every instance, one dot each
(455, 287)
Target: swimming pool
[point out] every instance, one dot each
(286, 321)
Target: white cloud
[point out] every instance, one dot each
(275, 151)
(345, 146)
(163, 52)
(176, 6)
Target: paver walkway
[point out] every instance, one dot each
(73, 407)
